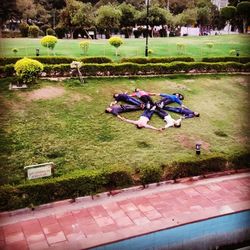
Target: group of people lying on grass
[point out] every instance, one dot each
(141, 100)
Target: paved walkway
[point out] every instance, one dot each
(87, 223)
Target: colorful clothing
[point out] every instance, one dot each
(187, 113)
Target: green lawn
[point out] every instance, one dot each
(73, 131)
(194, 46)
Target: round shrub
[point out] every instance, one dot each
(49, 42)
(24, 29)
(210, 45)
(84, 45)
(15, 50)
(28, 69)
(50, 32)
(34, 31)
(116, 42)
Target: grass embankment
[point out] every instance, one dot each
(72, 130)
(162, 47)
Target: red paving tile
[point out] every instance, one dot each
(114, 218)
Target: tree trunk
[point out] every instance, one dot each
(244, 25)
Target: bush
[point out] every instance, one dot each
(60, 32)
(56, 59)
(33, 31)
(28, 69)
(150, 51)
(84, 45)
(116, 42)
(49, 42)
(144, 60)
(181, 47)
(127, 69)
(15, 50)
(98, 59)
(75, 184)
(227, 59)
(50, 32)
(150, 174)
(24, 29)
(210, 45)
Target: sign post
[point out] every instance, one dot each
(39, 170)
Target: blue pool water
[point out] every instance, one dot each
(206, 234)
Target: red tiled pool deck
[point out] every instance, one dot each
(91, 222)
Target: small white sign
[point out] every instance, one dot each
(39, 171)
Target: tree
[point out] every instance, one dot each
(76, 15)
(8, 10)
(128, 17)
(204, 18)
(189, 16)
(243, 10)
(228, 13)
(116, 42)
(156, 17)
(108, 18)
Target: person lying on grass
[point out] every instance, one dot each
(185, 112)
(144, 96)
(168, 119)
(168, 99)
(124, 97)
(117, 109)
(142, 122)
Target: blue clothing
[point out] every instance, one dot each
(187, 113)
(170, 99)
(161, 113)
(128, 99)
(148, 113)
(117, 109)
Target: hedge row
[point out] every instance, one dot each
(145, 60)
(138, 60)
(113, 69)
(227, 59)
(73, 185)
(56, 60)
(89, 182)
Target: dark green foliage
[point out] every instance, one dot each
(24, 29)
(150, 174)
(144, 60)
(73, 185)
(56, 60)
(100, 59)
(227, 59)
(113, 69)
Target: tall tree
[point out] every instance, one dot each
(76, 15)
(228, 13)
(108, 17)
(243, 10)
(128, 18)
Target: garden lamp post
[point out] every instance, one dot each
(146, 48)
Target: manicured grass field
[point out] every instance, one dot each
(72, 130)
(194, 46)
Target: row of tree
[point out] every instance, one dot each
(73, 16)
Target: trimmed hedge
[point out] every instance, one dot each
(145, 60)
(56, 60)
(89, 182)
(98, 59)
(79, 183)
(127, 69)
(226, 59)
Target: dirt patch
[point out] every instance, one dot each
(44, 93)
(190, 141)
